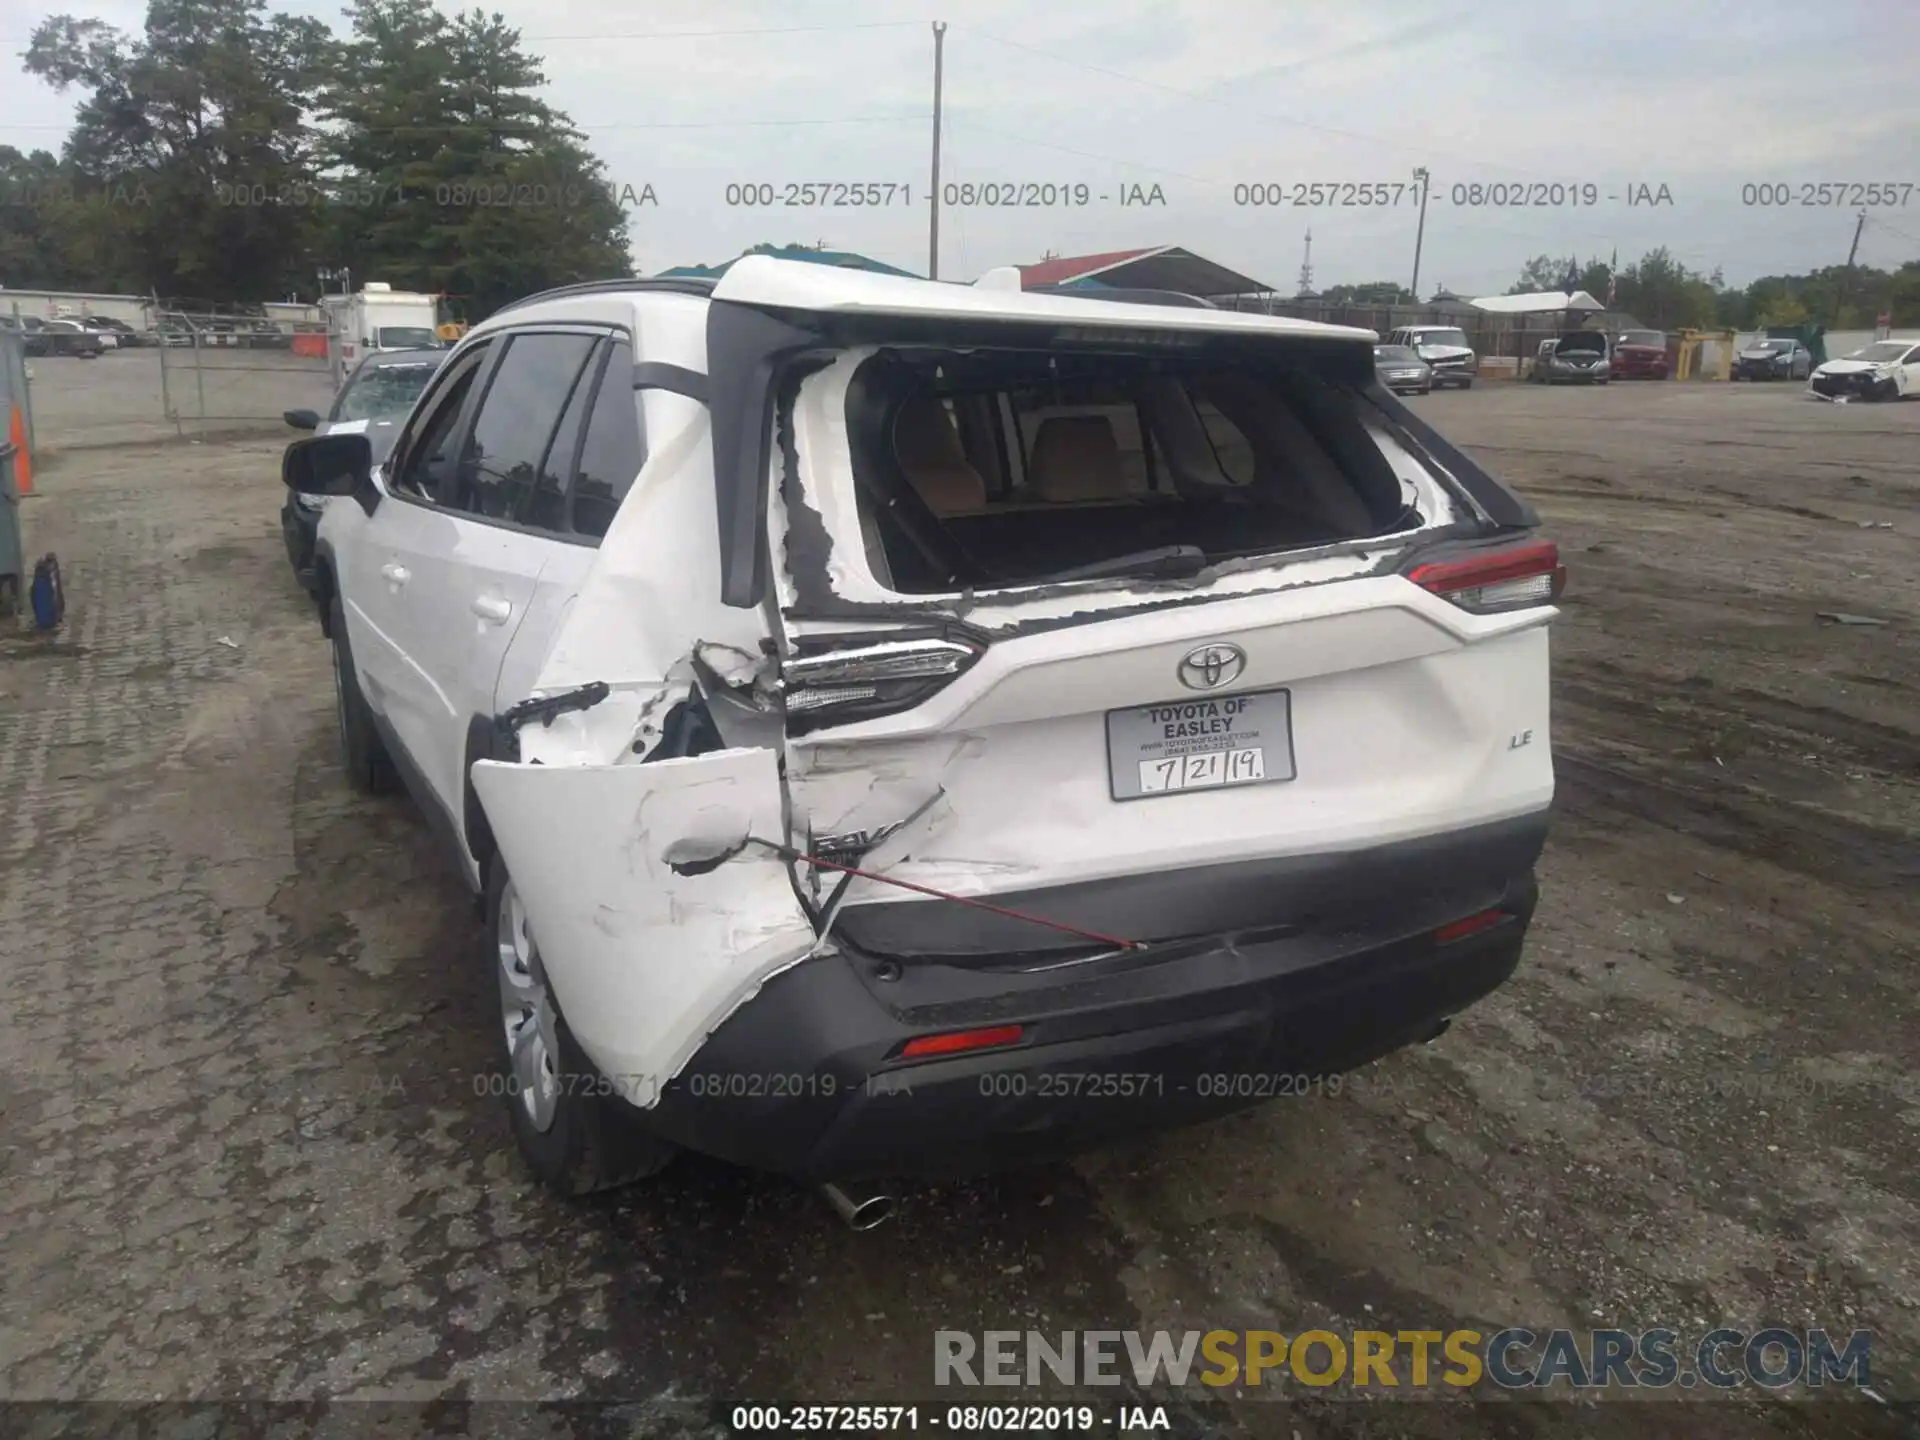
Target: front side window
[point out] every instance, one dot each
(516, 422)
(425, 455)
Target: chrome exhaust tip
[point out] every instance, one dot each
(864, 1209)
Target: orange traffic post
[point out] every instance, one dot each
(22, 462)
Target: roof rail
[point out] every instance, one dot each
(1125, 296)
(678, 285)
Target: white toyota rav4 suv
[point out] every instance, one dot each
(901, 727)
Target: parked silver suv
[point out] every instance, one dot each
(1444, 347)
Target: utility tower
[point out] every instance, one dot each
(1306, 267)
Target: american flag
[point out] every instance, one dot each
(1613, 278)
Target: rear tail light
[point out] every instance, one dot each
(958, 1042)
(1472, 925)
(1503, 580)
(860, 682)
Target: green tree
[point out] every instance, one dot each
(1374, 292)
(476, 187)
(1660, 291)
(190, 143)
(1786, 310)
(1903, 295)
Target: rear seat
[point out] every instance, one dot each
(928, 450)
(1075, 459)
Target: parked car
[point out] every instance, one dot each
(1884, 370)
(125, 335)
(1640, 355)
(109, 337)
(32, 332)
(1578, 358)
(1773, 360)
(1444, 347)
(1049, 617)
(1402, 371)
(263, 334)
(70, 337)
(374, 400)
(174, 331)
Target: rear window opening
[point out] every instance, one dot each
(984, 469)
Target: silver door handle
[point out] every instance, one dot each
(488, 608)
(396, 574)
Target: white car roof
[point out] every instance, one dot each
(763, 281)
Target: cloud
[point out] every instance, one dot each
(1201, 96)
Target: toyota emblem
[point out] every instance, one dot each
(1208, 667)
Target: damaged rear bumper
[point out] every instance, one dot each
(805, 1078)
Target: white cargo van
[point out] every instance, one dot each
(375, 319)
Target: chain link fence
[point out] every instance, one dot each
(232, 373)
(193, 374)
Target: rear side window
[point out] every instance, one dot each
(516, 422)
(547, 506)
(613, 450)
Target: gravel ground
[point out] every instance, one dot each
(243, 1152)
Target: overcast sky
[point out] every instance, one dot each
(1198, 96)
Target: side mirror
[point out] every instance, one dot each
(302, 419)
(331, 465)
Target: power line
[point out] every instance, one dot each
(1876, 221)
(1292, 120)
(1085, 154)
(663, 34)
(582, 125)
(711, 34)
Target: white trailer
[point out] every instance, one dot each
(377, 318)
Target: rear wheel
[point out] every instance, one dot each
(575, 1128)
(362, 754)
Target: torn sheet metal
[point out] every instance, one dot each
(631, 624)
(646, 958)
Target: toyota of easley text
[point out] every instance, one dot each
(895, 727)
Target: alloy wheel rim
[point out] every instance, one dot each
(526, 1015)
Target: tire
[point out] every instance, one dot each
(576, 1131)
(363, 755)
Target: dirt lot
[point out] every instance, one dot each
(242, 1150)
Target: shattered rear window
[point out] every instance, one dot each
(1014, 467)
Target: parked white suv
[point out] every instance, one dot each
(905, 727)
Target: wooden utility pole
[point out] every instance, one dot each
(1846, 280)
(933, 200)
(1420, 234)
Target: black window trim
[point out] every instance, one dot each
(445, 379)
(604, 333)
(601, 374)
